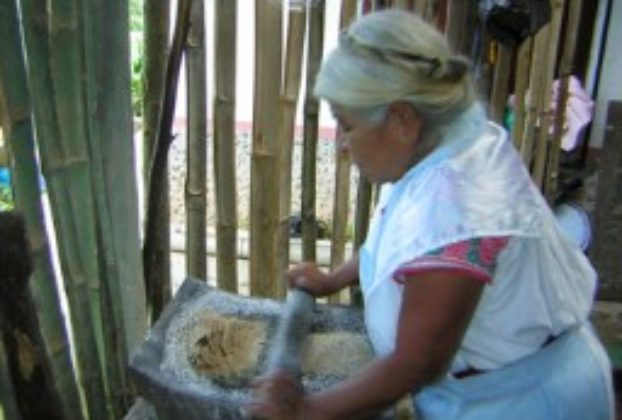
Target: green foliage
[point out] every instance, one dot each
(136, 15)
(6, 198)
(136, 54)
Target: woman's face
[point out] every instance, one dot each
(382, 152)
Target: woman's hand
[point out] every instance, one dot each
(278, 396)
(309, 277)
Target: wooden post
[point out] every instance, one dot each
(224, 146)
(30, 370)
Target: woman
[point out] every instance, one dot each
(475, 303)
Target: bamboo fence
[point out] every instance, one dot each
(82, 120)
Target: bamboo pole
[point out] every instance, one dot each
(19, 137)
(500, 84)
(104, 26)
(341, 205)
(310, 137)
(156, 16)
(535, 90)
(565, 71)
(224, 146)
(264, 180)
(156, 248)
(543, 139)
(196, 185)
(67, 162)
(119, 162)
(289, 99)
(521, 83)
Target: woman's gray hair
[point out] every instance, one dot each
(391, 56)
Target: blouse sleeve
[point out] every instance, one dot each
(475, 258)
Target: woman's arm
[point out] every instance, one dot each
(309, 276)
(435, 313)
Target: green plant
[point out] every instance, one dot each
(137, 73)
(136, 54)
(6, 198)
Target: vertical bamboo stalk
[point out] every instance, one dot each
(67, 162)
(501, 80)
(119, 160)
(535, 90)
(310, 138)
(565, 71)
(156, 15)
(289, 99)
(543, 139)
(224, 146)
(156, 249)
(264, 180)
(521, 83)
(342, 177)
(196, 191)
(19, 136)
(111, 152)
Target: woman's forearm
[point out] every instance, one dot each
(369, 392)
(347, 274)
